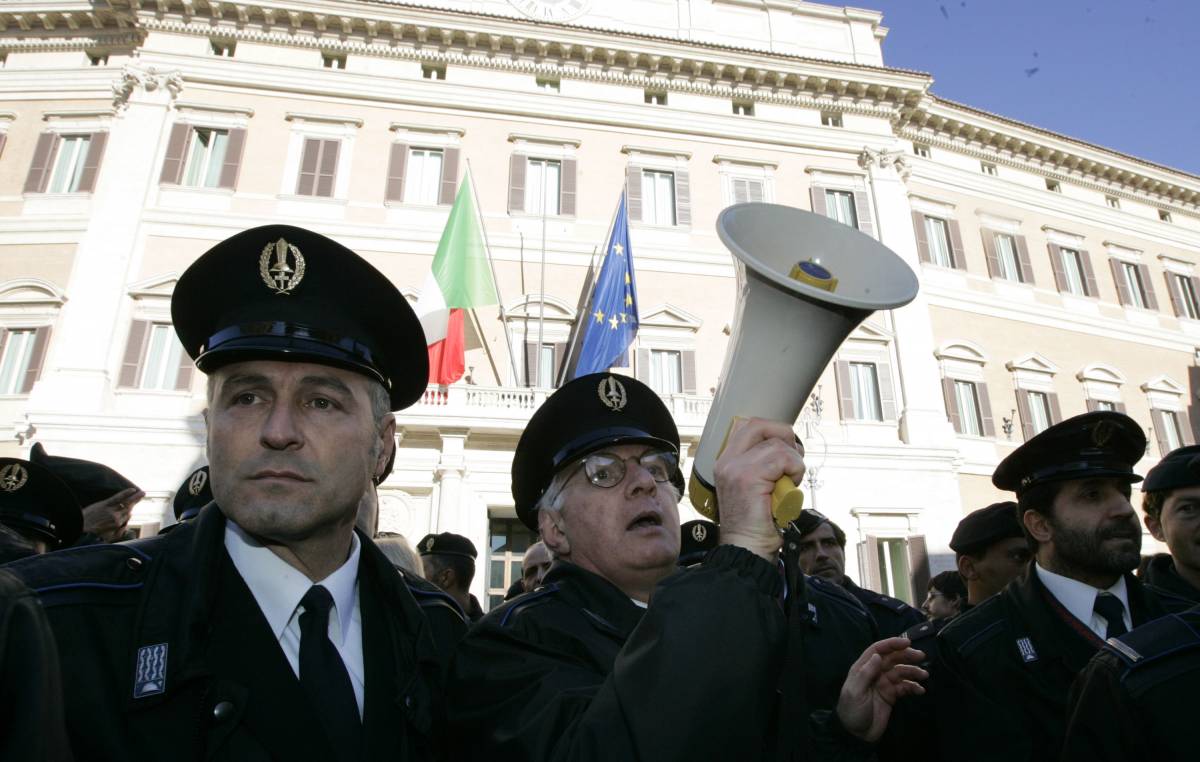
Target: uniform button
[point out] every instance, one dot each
(408, 702)
(134, 563)
(791, 546)
(223, 710)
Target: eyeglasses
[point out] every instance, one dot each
(604, 469)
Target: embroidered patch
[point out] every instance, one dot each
(1025, 646)
(812, 611)
(151, 675)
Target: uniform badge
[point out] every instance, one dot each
(699, 532)
(812, 612)
(13, 477)
(197, 482)
(429, 545)
(1102, 432)
(151, 675)
(612, 394)
(1025, 646)
(280, 275)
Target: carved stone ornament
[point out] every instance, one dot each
(149, 79)
(885, 159)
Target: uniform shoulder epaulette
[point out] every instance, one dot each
(59, 576)
(970, 630)
(924, 630)
(1156, 640)
(887, 601)
(429, 595)
(523, 602)
(836, 594)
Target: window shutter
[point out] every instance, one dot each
(3, 340)
(91, 165)
(841, 374)
(1195, 286)
(1147, 287)
(37, 357)
(560, 353)
(3, 140)
(1092, 405)
(643, 366)
(887, 397)
(1119, 281)
(922, 237)
(1024, 415)
(328, 168)
(633, 187)
(985, 410)
(1173, 290)
(1089, 275)
(516, 183)
(308, 167)
(1025, 266)
(183, 378)
(951, 404)
(1055, 409)
(449, 176)
(39, 170)
(566, 188)
(393, 189)
(1056, 264)
(531, 355)
(683, 198)
(233, 159)
(687, 362)
(918, 566)
(862, 209)
(869, 556)
(1120, 407)
(958, 253)
(172, 168)
(131, 366)
(1159, 434)
(990, 254)
(818, 200)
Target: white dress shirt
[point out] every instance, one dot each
(277, 587)
(1079, 598)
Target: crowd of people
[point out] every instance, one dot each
(274, 622)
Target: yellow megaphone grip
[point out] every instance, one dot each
(787, 500)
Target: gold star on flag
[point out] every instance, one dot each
(599, 316)
(618, 249)
(628, 300)
(612, 321)
(627, 280)
(624, 318)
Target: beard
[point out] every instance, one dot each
(1089, 550)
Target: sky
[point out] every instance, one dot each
(1123, 75)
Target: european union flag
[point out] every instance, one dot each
(612, 320)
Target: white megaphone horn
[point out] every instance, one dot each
(804, 282)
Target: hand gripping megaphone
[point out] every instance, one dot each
(804, 282)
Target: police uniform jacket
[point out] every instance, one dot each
(1176, 593)
(892, 615)
(1136, 699)
(1005, 667)
(166, 655)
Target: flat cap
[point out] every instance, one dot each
(696, 538)
(979, 529)
(446, 544)
(90, 481)
(1173, 471)
(1097, 444)
(192, 495)
(35, 501)
(808, 521)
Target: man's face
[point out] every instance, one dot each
(1178, 525)
(1000, 564)
(534, 566)
(1094, 528)
(292, 447)
(624, 531)
(938, 605)
(821, 556)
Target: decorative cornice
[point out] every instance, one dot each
(653, 151)
(214, 108)
(429, 129)
(149, 79)
(544, 140)
(295, 116)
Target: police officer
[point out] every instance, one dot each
(1171, 502)
(192, 495)
(1005, 667)
(822, 553)
(696, 538)
(617, 656)
(265, 628)
(448, 561)
(107, 497)
(38, 506)
(990, 550)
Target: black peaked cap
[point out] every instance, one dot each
(192, 495)
(1103, 443)
(447, 544)
(35, 501)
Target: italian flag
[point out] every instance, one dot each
(461, 278)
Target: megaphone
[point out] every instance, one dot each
(804, 282)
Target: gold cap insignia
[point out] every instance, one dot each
(280, 275)
(699, 532)
(13, 477)
(429, 544)
(612, 394)
(197, 482)
(1103, 432)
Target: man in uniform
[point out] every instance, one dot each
(107, 497)
(946, 596)
(1171, 502)
(620, 655)
(822, 553)
(38, 506)
(448, 561)
(990, 550)
(1005, 667)
(266, 628)
(192, 495)
(534, 565)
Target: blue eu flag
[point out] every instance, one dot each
(612, 320)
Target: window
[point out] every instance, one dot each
(1103, 405)
(655, 97)
(1054, 186)
(1184, 292)
(508, 540)
(1164, 215)
(1006, 256)
(666, 371)
(423, 177)
(966, 401)
(1073, 272)
(15, 356)
(743, 108)
(541, 361)
(922, 150)
(433, 71)
(160, 367)
(1133, 284)
(1171, 434)
(536, 184)
(658, 197)
(1039, 411)
(938, 235)
(988, 168)
(223, 48)
(542, 180)
(552, 84)
(202, 157)
(864, 391)
(206, 157)
(67, 170)
(840, 206)
(892, 557)
(1131, 278)
(318, 167)
(333, 60)
(747, 190)
(1113, 202)
(831, 119)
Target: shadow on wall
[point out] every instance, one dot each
(1193, 407)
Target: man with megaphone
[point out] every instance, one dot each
(621, 655)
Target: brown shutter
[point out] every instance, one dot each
(566, 187)
(887, 396)
(1121, 407)
(687, 364)
(91, 165)
(1055, 409)
(327, 169)
(37, 357)
(393, 189)
(531, 353)
(683, 198)
(1186, 437)
(1025, 266)
(1159, 434)
(183, 378)
(922, 237)
(958, 253)
(869, 554)
(991, 254)
(862, 210)
(1174, 290)
(1023, 413)
(39, 170)
(131, 366)
(308, 167)
(1147, 287)
(985, 410)
(1195, 290)
(560, 352)
(818, 200)
(1056, 264)
(3, 141)
(172, 168)
(918, 567)
(951, 404)
(233, 159)
(643, 366)
(1119, 282)
(1089, 275)
(841, 374)
(1092, 405)
(516, 183)
(633, 187)
(449, 176)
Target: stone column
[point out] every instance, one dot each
(451, 508)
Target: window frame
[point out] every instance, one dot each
(20, 370)
(436, 189)
(668, 181)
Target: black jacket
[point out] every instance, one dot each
(170, 620)
(1005, 667)
(892, 615)
(1176, 593)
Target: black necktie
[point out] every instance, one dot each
(1110, 607)
(324, 677)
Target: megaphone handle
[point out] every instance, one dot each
(787, 500)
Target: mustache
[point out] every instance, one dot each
(1120, 531)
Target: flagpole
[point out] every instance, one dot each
(542, 284)
(487, 249)
(612, 223)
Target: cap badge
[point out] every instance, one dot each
(280, 275)
(612, 394)
(13, 477)
(197, 482)
(1103, 432)
(429, 544)
(699, 532)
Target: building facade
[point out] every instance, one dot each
(1056, 276)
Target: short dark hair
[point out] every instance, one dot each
(463, 566)
(1152, 502)
(949, 583)
(838, 534)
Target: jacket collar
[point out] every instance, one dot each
(604, 604)
(1161, 573)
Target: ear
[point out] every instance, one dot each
(1155, 526)
(553, 531)
(966, 568)
(1038, 525)
(387, 440)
